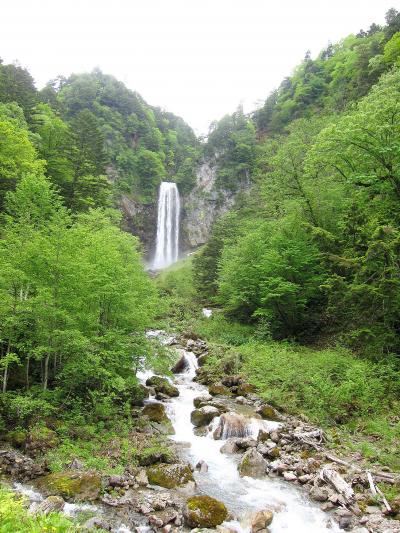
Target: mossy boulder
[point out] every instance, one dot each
(162, 386)
(244, 389)
(139, 394)
(267, 412)
(73, 485)
(216, 389)
(204, 511)
(155, 412)
(16, 438)
(169, 476)
(203, 415)
(40, 439)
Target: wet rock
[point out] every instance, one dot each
(245, 443)
(96, 523)
(267, 412)
(216, 389)
(116, 481)
(139, 395)
(305, 478)
(203, 415)
(162, 385)
(232, 425)
(204, 511)
(202, 431)
(200, 401)
(345, 522)
(252, 464)
(51, 504)
(180, 366)
(169, 476)
(241, 399)
(230, 447)
(155, 412)
(289, 476)
(319, 494)
(76, 485)
(261, 520)
(202, 467)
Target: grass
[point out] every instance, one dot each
(14, 517)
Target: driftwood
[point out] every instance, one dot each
(389, 477)
(305, 436)
(376, 491)
(338, 483)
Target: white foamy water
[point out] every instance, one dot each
(167, 243)
(293, 511)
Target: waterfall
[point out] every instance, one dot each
(167, 243)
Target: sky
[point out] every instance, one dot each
(199, 59)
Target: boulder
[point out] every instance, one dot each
(162, 385)
(230, 447)
(261, 520)
(40, 439)
(252, 464)
(244, 389)
(289, 476)
(96, 523)
(216, 389)
(204, 512)
(76, 485)
(319, 494)
(231, 381)
(155, 412)
(52, 504)
(203, 415)
(140, 393)
(232, 425)
(202, 467)
(169, 476)
(180, 366)
(267, 412)
(200, 401)
(244, 443)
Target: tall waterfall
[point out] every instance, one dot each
(167, 244)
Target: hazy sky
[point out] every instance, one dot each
(196, 58)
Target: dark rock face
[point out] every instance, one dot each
(140, 220)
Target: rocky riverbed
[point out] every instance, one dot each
(236, 465)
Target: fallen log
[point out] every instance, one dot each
(338, 483)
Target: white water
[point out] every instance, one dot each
(167, 243)
(293, 511)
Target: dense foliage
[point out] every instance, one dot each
(314, 250)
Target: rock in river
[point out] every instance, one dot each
(74, 485)
(169, 476)
(203, 415)
(204, 511)
(252, 464)
(162, 386)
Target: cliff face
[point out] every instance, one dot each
(204, 204)
(141, 220)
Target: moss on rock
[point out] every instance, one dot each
(74, 485)
(169, 476)
(162, 386)
(204, 511)
(155, 412)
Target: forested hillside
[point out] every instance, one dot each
(313, 250)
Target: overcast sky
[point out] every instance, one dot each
(196, 58)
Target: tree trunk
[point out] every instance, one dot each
(46, 372)
(5, 379)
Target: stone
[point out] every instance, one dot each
(229, 447)
(241, 399)
(231, 381)
(200, 401)
(203, 415)
(40, 439)
(305, 478)
(140, 393)
(162, 385)
(76, 485)
(202, 467)
(245, 443)
(204, 511)
(169, 476)
(244, 389)
(319, 494)
(95, 523)
(141, 478)
(180, 366)
(345, 522)
(216, 389)
(116, 481)
(232, 425)
(155, 412)
(252, 464)
(289, 476)
(76, 464)
(267, 412)
(51, 504)
(261, 520)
